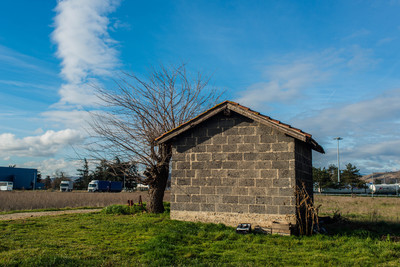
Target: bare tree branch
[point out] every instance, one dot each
(138, 110)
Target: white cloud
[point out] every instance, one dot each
(385, 41)
(317, 94)
(294, 78)
(377, 116)
(369, 156)
(84, 45)
(47, 144)
(361, 58)
(75, 119)
(51, 166)
(388, 148)
(286, 83)
(38, 131)
(45, 88)
(87, 54)
(79, 94)
(370, 130)
(357, 34)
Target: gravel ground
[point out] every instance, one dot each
(26, 215)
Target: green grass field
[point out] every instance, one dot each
(109, 239)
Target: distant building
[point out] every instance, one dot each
(233, 165)
(22, 178)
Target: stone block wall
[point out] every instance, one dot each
(303, 156)
(230, 169)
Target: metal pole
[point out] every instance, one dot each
(338, 162)
(124, 182)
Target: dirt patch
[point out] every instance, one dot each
(26, 215)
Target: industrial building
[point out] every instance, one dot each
(22, 178)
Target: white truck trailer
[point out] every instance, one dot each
(66, 186)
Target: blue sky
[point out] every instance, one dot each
(329, 68)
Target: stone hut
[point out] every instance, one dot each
(233, 165)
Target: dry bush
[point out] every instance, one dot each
(26, 200)
(306, 212)
(365, 208)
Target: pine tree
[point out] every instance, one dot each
(84, 176)
(103, 172)
(322, 177)
(351, 176)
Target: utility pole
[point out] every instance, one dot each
(338, 163)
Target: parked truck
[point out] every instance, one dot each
(142, 187)
(104, 186)
(6, 186)
(115, 186)
(66, 186)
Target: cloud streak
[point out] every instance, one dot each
(370, 129)
(74, 119)
(16, 62)
(378, 115)
(292, 77)
(316, 94)
(286, 83)
(84, 46)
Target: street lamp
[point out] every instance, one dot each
(338, 164)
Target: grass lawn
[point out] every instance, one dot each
(365, 208)
(155, 240)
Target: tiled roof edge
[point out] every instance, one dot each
(278, 123)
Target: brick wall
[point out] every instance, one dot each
(230, 169)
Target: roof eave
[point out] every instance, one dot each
(285, 128)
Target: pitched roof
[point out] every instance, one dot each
(244, 111)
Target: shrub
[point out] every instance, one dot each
(167, 207)
(117, 209)
(123, 209)
(126, 210)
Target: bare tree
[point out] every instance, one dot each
(138, 110)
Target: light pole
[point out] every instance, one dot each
(338, 164)
(124, 181)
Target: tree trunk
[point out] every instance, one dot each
(159, 177)
(156, 192)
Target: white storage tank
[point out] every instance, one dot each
(385, 188)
